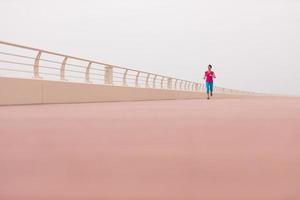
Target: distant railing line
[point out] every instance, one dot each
(112, 74)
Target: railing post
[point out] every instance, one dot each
(154, 81)
(170, 87)
(162, 82)
(194, 87)
(175, 85)
(87, 72)
(108, 75)
(36, 71)
(180, 86)
(147, 80)
(185, 84)
(189, 86)
(137, 79)
(63, 69)
(124, 77)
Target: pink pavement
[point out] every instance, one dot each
(223, 149)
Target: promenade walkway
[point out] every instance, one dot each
(224, 149)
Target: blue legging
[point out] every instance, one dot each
(209, 87)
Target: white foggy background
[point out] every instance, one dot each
(252, 44)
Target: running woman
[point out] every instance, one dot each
(209, 77)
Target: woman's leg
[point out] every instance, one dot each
(211, 88)
(207, 89)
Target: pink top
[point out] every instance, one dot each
(209, 76)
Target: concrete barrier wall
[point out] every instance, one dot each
(20, 91)
(15, 91)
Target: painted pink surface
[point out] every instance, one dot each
(227, 149)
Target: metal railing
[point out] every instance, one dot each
(27, 62)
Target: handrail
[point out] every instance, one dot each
(64, 55)
(111, 74)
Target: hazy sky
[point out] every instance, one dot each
(252, 44)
